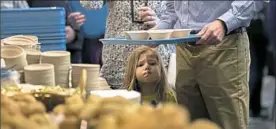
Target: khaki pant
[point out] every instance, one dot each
(212, 81)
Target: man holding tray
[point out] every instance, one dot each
(212, 73)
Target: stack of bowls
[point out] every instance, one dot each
(21, 76)
(61, 61)
(93, 72)
(40, 74)
(24, 41)
(103, 85)
(33, 56)
(14, 57)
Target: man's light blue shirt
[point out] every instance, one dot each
(195, 14)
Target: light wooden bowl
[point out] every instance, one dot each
(160, 34)
(138, 35)
(24, 41)
(14, 57)
(181, 33)
(33, 56)
(40, 74)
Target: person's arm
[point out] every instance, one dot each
(168, 18)
(239, 15)
(74, 20)
(14, 4)
(21, 4)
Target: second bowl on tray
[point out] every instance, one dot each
(157, 34)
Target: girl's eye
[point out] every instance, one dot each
(140, 65)
(152, 63)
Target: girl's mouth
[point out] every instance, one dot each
(147, 73)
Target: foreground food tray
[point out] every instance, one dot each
(190, 38)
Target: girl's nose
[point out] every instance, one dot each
(147, 66)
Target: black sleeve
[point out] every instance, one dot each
(77, 43)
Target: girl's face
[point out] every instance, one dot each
(148, 69)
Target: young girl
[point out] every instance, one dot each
(145, 73)
(120, 18)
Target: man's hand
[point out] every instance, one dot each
(70, 34)
(77, 19)
(148, 16)
(212, 33)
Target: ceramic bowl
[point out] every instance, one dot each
(181, 33)
(9, 51)
(138, 35)
(15, 57)
(24, 41)
(160, 34)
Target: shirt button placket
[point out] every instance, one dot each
(185, 16)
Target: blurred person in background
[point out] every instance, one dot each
(92, 47)
(74, 20)
(271, 26)
(124, 16)
(258, 51)
(261, 55)
(271, 22)
(271, 17)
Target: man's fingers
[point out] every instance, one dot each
(74, 14)
(80, 21)
(205, 37)
(79, 17)
(202, 31)
(149, 18)
(212, 40)
(150, 23)
(144, 9)
(146, 13)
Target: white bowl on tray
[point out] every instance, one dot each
(180, 33)
(137, 35)
(132, 96)
(160, 34)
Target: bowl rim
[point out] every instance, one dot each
(38, 67)
(136, 32)
(10, 47)
(85, 65)
(182, 29)
(160, 31)
(55, 53)
(33, 52)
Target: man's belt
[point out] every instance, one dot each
(236, 31)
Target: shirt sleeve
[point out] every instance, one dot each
(239, 15)
(14, 4)
(168, 18)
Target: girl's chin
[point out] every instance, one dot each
(147, 80)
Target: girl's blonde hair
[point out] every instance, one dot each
(130, 79)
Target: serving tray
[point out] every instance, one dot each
(191, 38)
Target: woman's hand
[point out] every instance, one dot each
(148, 16)
(77, 19)
(70, 34)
